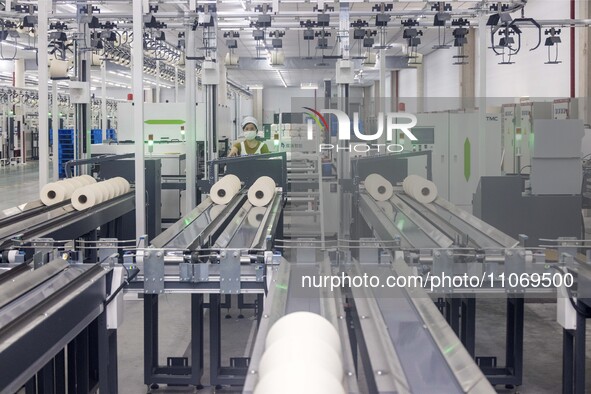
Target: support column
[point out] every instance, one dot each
(176, 84)
(482, 48)
(83, 62)
(104, 117)
(343, 80)
(157, 98)
(420, 87)
(55, 121)
(19, 73)
(190, 132)
(584, 81)
(468, 72)
(43, 12)
(137, 51)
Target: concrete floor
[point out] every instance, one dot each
(542, 347)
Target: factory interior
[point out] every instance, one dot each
(295, 196)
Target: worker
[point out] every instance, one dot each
(250, 145)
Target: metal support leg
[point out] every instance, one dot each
(568, 365)
(514, 350)
(150, 336)
(197, 338)
(45, 379)
(107, 354)
(468, 323)
(60, 372)
(214, 338)
(580, 343)
(452, 313)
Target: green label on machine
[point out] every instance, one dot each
(467, 159)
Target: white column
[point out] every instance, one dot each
(55, 121)
(483, 43)
(138, 119)
(43, 93)
(176, 84)
(190, 130)
(19, 73)
(157, 98)
(104, 98)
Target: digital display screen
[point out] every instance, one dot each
(425, 135)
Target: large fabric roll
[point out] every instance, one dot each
(224, 190)
(56, 192)
(419, 188)
(262, 191)
(378, 187)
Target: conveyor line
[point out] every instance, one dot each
(57, 220)
(425, 226)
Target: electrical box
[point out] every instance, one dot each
(524, 142)
(79, 92)
(344, 72)
(210, 73)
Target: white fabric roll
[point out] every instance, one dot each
(378, 187)
(224, 190)
(124, 183)
(110, 188)
(115, 184)
(87, 179)
(298, 379)
(313, 352)
(87, 197)
(262, 191)
(301, 325)
(421, 189)
(53, 193)
(70, 185)
(215, 211)
(74, 182)
(255, 216)
(387, 208)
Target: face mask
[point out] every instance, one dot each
(250, 135)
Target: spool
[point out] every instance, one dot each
(387, 208)
(110, 188)
(87, 197)
(87, 179)
(378, 187)
(262, 191)
(421, 189)
(309, 351)
(224, 190)
(300, 325)
(297, 380)
(215, 211)
(255, 216)
(53, 193)
(124, 183)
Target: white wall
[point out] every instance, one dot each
(279, 99)
(529, 76)
(441, 81)
(407, 88)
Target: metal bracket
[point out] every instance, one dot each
(200, 272)
(369, 251)
(230, 272)
(443, 263)
(107, 248)
(154, 271)
(514, 264)
(42, 252)
(305, 252)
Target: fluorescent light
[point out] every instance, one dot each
(309, 86)
(282, 80)
(255, 87)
